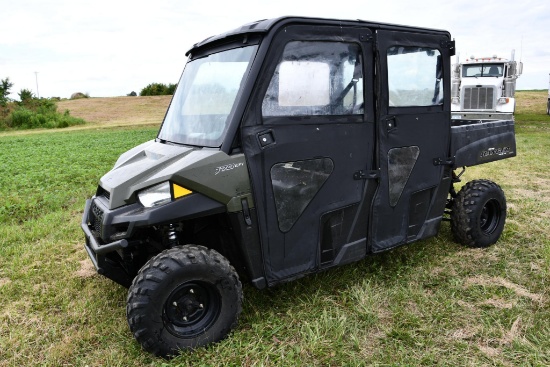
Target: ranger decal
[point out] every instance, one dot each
(228, 167)
(495, 151)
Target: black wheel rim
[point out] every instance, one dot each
(490, 216)
(191, 308)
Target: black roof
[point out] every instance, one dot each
(265, 25)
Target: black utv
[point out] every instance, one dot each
(291, 146)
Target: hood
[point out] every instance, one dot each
(138, 168)
(208, 171)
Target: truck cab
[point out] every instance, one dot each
(484, 88)
(291, 146)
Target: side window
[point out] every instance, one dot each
(415, 77)
(316, 78)
(295, 184)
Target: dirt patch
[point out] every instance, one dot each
(497, 281)
(498, 303)
(466, 305)
(4, 281)
(532, 194)
(492, 348)
(475, 254)
(514, 332)
(540, 181)
(86, 270)
(489, 351)
(465, 334)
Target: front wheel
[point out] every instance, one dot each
(478, 213)
(183, 298)
(548, 107)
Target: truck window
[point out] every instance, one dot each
(415, 77)
(316, 78)
(482, 70)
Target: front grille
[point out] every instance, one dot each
(96, 219)
(478, 98)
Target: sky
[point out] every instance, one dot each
(109, 48)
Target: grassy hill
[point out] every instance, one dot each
(118, 111)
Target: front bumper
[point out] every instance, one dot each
(92, 244)
(109, 230)
(96, 251)
(489, 115)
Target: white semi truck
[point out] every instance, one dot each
(484, 88)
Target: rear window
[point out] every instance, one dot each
(415, 77)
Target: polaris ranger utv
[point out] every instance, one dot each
(291, 146)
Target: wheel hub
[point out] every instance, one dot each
(490, 216)
(191, 308)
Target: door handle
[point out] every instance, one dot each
(391, 123)
(266, 138)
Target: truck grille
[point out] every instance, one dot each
(96, 219)
(478, 98)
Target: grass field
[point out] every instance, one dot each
(430, 303)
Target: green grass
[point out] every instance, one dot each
(429, 303)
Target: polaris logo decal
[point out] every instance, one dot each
(228, 167)
(495, 151)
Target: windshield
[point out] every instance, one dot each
(482, 70)
(206, 93)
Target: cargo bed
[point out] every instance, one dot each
(475, 142)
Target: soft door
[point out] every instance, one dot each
(305, 136)
(413, 137)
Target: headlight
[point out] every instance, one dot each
(161, 194)
(156, 195)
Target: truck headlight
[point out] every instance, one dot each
(161, 194)
(503, 100)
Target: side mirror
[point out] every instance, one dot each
(520, 68)
(456, 71)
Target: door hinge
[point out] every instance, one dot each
(444, 161)
(366, 175)
(448, 44)
(365, 37)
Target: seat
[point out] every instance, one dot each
(493, 71)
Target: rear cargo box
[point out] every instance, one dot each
(475, 142)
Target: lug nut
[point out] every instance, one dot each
(191, 290)
(175, 304)
(184, 318)
(201, 306)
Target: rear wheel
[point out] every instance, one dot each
(478, 213)
(183, 298)
(548, 107)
